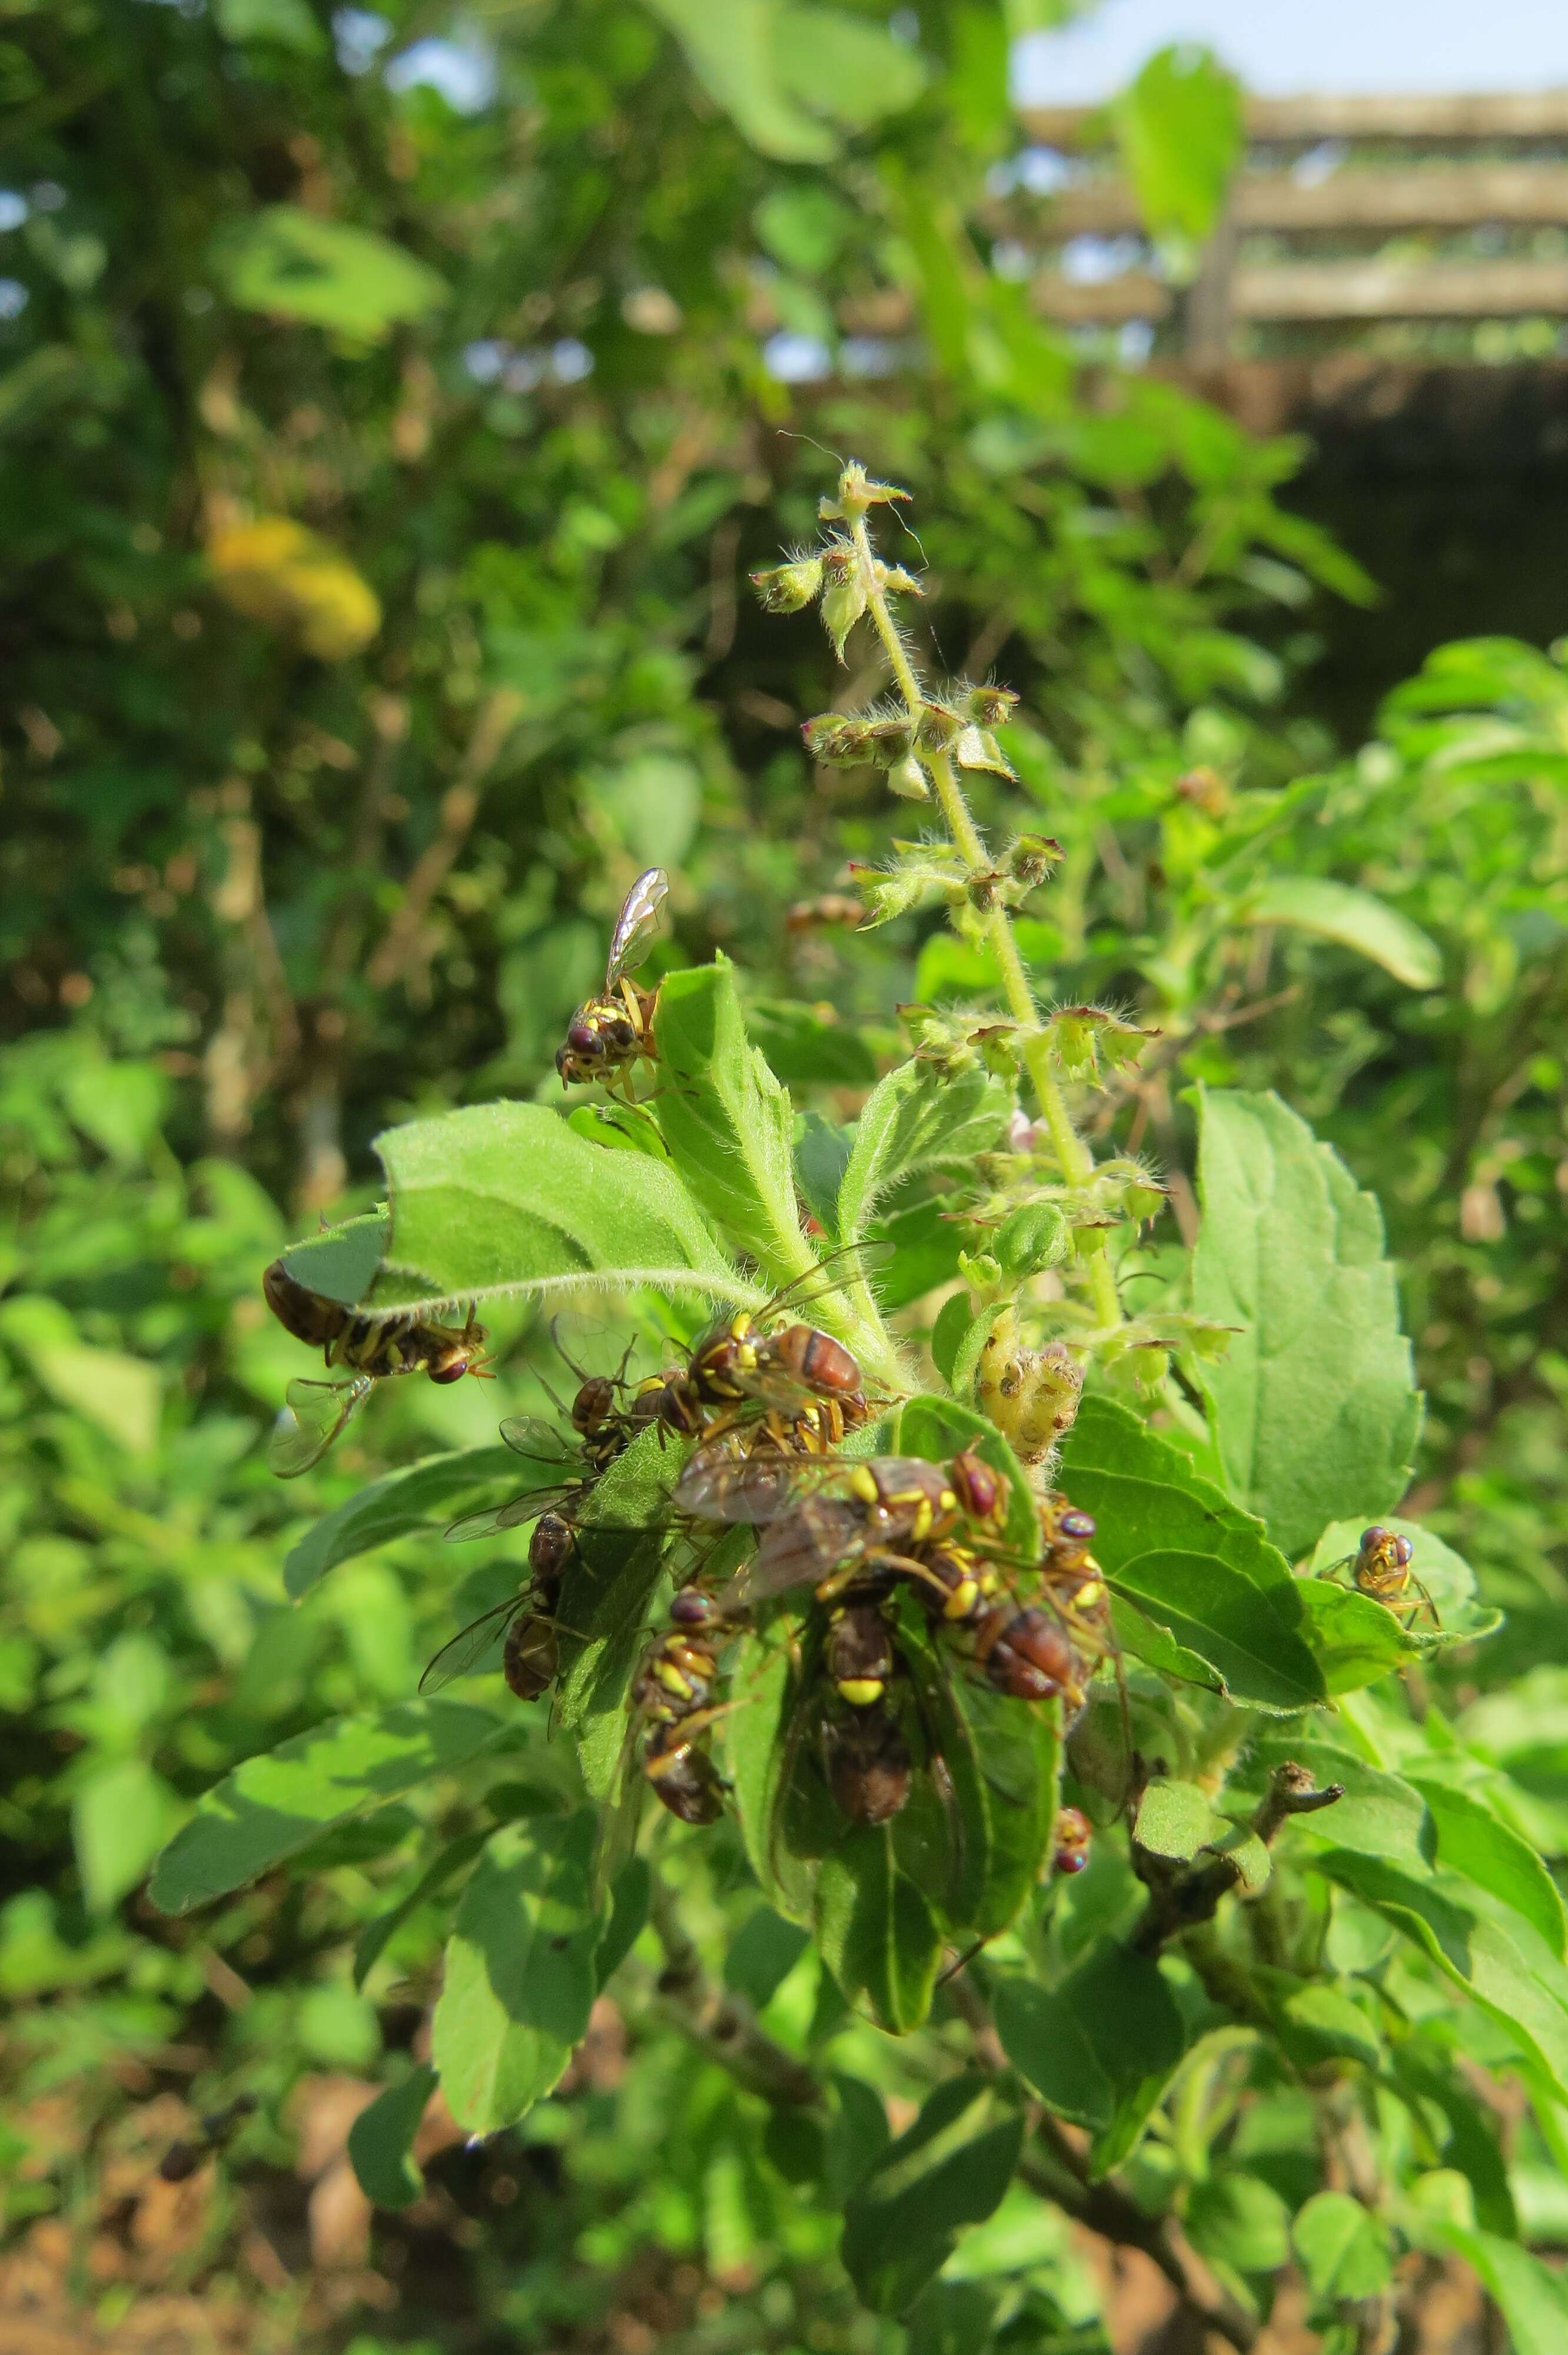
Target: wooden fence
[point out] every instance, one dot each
(1438, 168)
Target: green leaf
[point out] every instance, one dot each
(1474, 1841)
(276, 1804)
(914, 1120)
(1314, 1410)
(1344, 2250)
(119, 1395)
(1235, 2219)
(733, 55)
(381, 2140)
(1356, 920)
(759, 1755)
(445, 1866)
(822, 1153)
(726, 1119)
(401, 1501)
(1485, 1948)
(1317, 2023)
(804, 1051)
(293, 264)
(119, 1820)
(1532, 2298)
(1172, 1545)
(520, 1976)
(1425, 2074)
(937, 1428)
(622, 1534)
(342, 1263)
(507, 1199)
(1180, 128)
(762, 1954)
(628, 1901)
(876, 1929)
(948, 2170)
(841, 65)
(1175, 1819)
(1099, 2048)
(1356, 1640)
(288, 23)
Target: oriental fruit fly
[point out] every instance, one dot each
(371, 1350)
(606, 1037)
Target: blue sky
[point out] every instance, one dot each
(1286, 47)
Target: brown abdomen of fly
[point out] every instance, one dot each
(815, 1359)
(304, 1313)
(868, 1767)
(529, 1656)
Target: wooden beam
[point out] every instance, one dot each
(1496, 114)
(1377, 290)
(1451, 196)
(1110, 302)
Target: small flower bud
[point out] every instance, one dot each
(1030, 1395)
(989, 707)
(1072, 1030)
(1033, 1239)
(1091, 1236)
(895, 577)
(908, 779)
(938, 727)
(1146, 1368)
(857, 493)
(1123, 1042)
(887, 893)
(1032, 858)
(838, 739)
(998, 1045)
(786, 588)
(891, 741)
(982, 889)
(979, 1271)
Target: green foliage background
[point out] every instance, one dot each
(285, 863)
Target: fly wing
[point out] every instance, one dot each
(315, 1414)
(513, 1514)
(467, 1648)
(636, 925)
(720, 1486)
(822, 1535)
(538, 1439)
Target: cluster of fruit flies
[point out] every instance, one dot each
(768, 1398)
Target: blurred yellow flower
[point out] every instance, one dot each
(277, 572)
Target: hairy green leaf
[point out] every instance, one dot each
(622, 1534)
(279, 1802)
(398, 1502)
(914, 1120)
(520, 1971)
(1314, 1410)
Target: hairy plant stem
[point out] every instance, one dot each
(1074, 1158)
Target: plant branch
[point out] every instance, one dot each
(1074, 1158)
(719, 2023)
(1183, 1898)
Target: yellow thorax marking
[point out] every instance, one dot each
(860, 1692)
(863, 1484)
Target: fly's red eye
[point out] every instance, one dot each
(691, 1607)
(977, 1483)
(1403, 1551)
(582, 1040)
(1375, 1536)
(1077, 1525)
(449, 1373)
